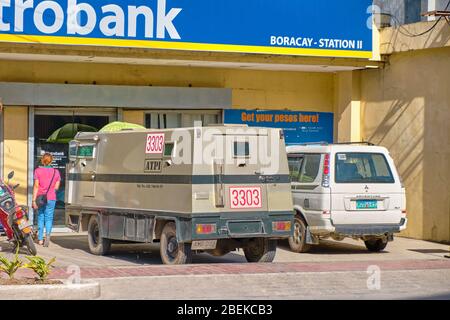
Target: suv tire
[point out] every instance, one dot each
(297, 242)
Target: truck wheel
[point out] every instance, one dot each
(261, 250)
(97, 244)
(376, 245)
(171, 251)
(298, 241)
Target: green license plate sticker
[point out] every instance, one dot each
(366, 204)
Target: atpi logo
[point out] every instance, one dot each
(72, 17)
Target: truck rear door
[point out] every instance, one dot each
(86, 153)
(365, 189)
(240, 183)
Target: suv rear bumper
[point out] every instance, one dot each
(326, 227)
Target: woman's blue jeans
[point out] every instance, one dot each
(45, 219)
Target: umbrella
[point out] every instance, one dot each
(68, 132)
(119, 126)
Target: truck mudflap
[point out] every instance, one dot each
(364, 230)
(279, 226)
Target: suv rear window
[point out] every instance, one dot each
(362, 168)
(304, 168)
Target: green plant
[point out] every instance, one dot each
(40, 266)
(10, 267)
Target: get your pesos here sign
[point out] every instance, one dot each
(337, 28)
(299, 127)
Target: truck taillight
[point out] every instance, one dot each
(281, 226)
(205, 228)
(404, 212)
(326, 171)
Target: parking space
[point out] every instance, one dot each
(72, 249)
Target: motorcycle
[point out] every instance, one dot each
(14, 218)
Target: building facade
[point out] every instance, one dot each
(48, 80)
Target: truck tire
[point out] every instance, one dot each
(297, 242)
(261, 250)
(171, 251)
(98, 245)
(376, 245)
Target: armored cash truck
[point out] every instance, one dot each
(201, 189)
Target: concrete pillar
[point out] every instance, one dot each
(15, 135)
(347, 106)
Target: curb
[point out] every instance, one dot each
(82, 291)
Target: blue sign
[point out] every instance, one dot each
(298, 127)
(338, 28)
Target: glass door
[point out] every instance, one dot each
(53, 129)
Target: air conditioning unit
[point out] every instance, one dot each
(383, 20)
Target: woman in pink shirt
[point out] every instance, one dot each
(46, 181)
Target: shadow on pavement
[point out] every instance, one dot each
(9, 249)
(334, 248)
(442, 296)
(139, 253)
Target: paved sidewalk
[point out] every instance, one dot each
(243, 269)
(70, 249)
(409, 269)
(432, 284)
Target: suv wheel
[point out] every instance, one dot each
(298, 241)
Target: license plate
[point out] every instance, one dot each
(23, 225)
(245, 197)
(204, 244)
(366, 204)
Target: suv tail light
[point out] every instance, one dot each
(326, 171)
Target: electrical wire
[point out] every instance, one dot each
(408, 33)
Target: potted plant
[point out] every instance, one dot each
(10, 267)
(40, 287)
(36, 263)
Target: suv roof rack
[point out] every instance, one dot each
(325, 143)
(362, 142)
(313, 143)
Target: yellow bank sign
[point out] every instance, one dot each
(337, 28)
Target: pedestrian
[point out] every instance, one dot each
(46, 181)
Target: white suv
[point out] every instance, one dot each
(345, 190)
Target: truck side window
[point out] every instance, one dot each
(168, 149)
(295, 165)
(310, 169)
(73, 150)
(241, 149)
(86, 151)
